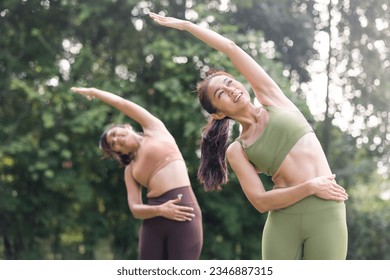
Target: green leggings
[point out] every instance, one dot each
(312, 229)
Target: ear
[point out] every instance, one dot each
(218, 116)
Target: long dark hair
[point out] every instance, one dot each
(212, 171)
(123, 159)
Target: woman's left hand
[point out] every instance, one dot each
(326, 187)
(172, 210)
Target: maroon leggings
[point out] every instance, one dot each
(165, 239)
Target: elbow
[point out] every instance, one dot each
(262, 209)
(230, 47)
(259, 201)
(135, 216)
(263, 206)
(135, 213)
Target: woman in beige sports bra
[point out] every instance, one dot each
(306, 210)
(172, 219)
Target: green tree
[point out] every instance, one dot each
(357, 64)
(55, 193)
(369, 221)
(58, 200)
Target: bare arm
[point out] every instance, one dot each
(129, 108)
(266, 90)
(170, 209)
(263, 201)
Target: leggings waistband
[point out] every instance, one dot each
(188, 197)
(311, 204)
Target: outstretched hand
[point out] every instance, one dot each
(171, 210)
(87, 92)
(326, 187)
(168, 21)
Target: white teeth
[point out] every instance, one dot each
(238, 97)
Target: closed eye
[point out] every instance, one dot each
(112, 142)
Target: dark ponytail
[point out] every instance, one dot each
(213, 171)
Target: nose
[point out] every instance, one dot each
(230, 90)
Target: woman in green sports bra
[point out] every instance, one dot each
(306, 209)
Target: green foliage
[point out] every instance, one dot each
(369, 221)
(58, 200)
(291, 30)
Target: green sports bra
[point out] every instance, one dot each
(284, 129)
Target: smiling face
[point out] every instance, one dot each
(120, 139)
(227, 95)
(120, 142)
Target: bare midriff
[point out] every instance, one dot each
(305, 161)
(171, 176)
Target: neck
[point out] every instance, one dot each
(134, 143)
(138, 141)
(250, 117)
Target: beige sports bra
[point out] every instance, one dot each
(153, 155)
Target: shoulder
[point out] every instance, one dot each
(128, 170)
(157, 130)
(238, 159)
(129, 178)
(152, 123)
(234, 151)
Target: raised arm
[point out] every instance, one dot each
(263, 201)
(170, 209)
(129, 108)
(266, 90)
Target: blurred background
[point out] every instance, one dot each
(59, 200)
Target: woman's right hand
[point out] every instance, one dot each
(171, 210)
(169, 21)
(87, 92)
(327, 188)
